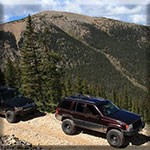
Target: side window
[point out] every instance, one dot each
(80, 107)
(90, 109)
(66, 104)
(74, 106)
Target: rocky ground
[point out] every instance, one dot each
(45, 130)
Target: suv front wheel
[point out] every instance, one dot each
(68, 127)
(115, 138)
(10, 116)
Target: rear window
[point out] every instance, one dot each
(66, 104)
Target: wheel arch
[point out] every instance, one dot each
(113, 127)
(66, 117)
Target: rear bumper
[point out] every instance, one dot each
(58, 117)
(134, 131)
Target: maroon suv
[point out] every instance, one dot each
(100, 115)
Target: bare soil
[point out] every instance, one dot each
(45, 130)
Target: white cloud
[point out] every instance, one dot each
(18, 2)
(112, 2)
(80, 2)
(113, 10)
(98, 8)
(52, 3)
(138, 18)
(6, 18)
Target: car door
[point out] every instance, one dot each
(93, 118)
(78, 113)
(86, 116)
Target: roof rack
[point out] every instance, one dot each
(85, 98)
(79, 96)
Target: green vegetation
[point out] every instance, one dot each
(2, 80)
(11, 74)
(29, 62)
(57, 62)
(123, 100)
(39, 72)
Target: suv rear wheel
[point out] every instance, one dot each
(10, 116)
(68, 127)
(115, 138)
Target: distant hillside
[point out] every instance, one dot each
(107, 52)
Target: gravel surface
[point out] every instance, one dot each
(43, 130)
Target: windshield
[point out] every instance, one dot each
(107, 108)
(9, 94)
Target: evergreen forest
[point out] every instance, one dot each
(43, 74)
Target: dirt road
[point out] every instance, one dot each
(46, 130)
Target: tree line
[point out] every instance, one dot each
(40, 75)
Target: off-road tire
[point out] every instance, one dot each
(10, 116)
(69, 127)
(115, 138)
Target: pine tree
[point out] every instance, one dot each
(2, 80)
(125, 100)
(129, 104)
(10, 72)
(29, 63)
(79, 85)
(133, 106)
(115, 97)
(85, 87)
(120, 101)
(103, 93)
(68, 87)
(51, 70)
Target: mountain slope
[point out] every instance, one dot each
(103, 51)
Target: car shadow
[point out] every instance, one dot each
(94, 133)
(137, 140)
(28, 117)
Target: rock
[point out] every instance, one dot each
(12, 142)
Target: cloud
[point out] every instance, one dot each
(123, 9)
(120, 9)
(138, 18)
(5, 18)
(80, 2)
(18, 2)
(19, 10)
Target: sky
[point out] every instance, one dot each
(133, 11)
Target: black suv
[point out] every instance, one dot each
(100, 115)
(13, 104)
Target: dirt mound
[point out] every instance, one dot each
(46, 130)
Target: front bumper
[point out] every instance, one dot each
(134, 131)
(26, 111)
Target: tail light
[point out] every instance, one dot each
(57, 110)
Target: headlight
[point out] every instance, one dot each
(142, 119)
(129, 127)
